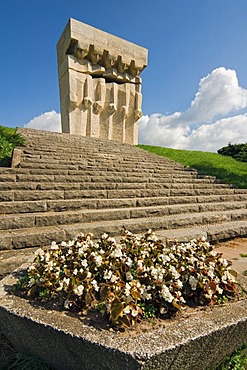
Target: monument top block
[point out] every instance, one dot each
(99, 47)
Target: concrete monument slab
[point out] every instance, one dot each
(100, 84)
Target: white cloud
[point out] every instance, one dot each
(212, 137)
(50, 121)
(218, 94)
(206, 124)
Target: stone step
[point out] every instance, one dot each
(91, 178)
(103, 152)
(43, 236)
(173, 215)
(110, 165)
(12, 207)
(169, 183)
(38, 193)
(104, 177)
(90, 170)
(87, 166)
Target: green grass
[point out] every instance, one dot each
(224, 168)
(236, 361)
(9, 139)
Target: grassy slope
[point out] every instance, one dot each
(224, 168)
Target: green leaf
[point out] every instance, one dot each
(32, 291)
(233, 273)
(104, 291)
(116, 309)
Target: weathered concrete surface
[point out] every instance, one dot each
(198, 340)
(10, 260)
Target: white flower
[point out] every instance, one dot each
(165, 292)
(54, 245)
(107, 274)
(66, 304)
(111, 240)
(98, 260)
(192, 259)
(81, 251)
(47, 256)
(129, 276)
(31, 268)
(129, 261)
(174, 272)
(50, 265)
(126, 309)
(95, 285)
(66, 281)
(84, 263)
(39, 252)
(165, 258)
(223, 261)
(140, 264)
(104, 236)
(163, 310)
(60, 287)
(219, 290)
(211, 273)
(179, 284)
(154, 271)
(193, 282)
(114, 278)
(127, 289)
(31, 282)
(134, 312)
(117, 252)
(75, 272)
(78, 290)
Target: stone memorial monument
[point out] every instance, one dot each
(100, 84)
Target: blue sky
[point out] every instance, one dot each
(197, 58)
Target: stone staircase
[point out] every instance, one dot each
(65, 184)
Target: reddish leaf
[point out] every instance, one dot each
(211, 287)
(176, 305)
(124, 321)
(135, 294)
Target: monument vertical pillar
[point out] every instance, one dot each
(100, 87)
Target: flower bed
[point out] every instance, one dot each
(136, 278)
